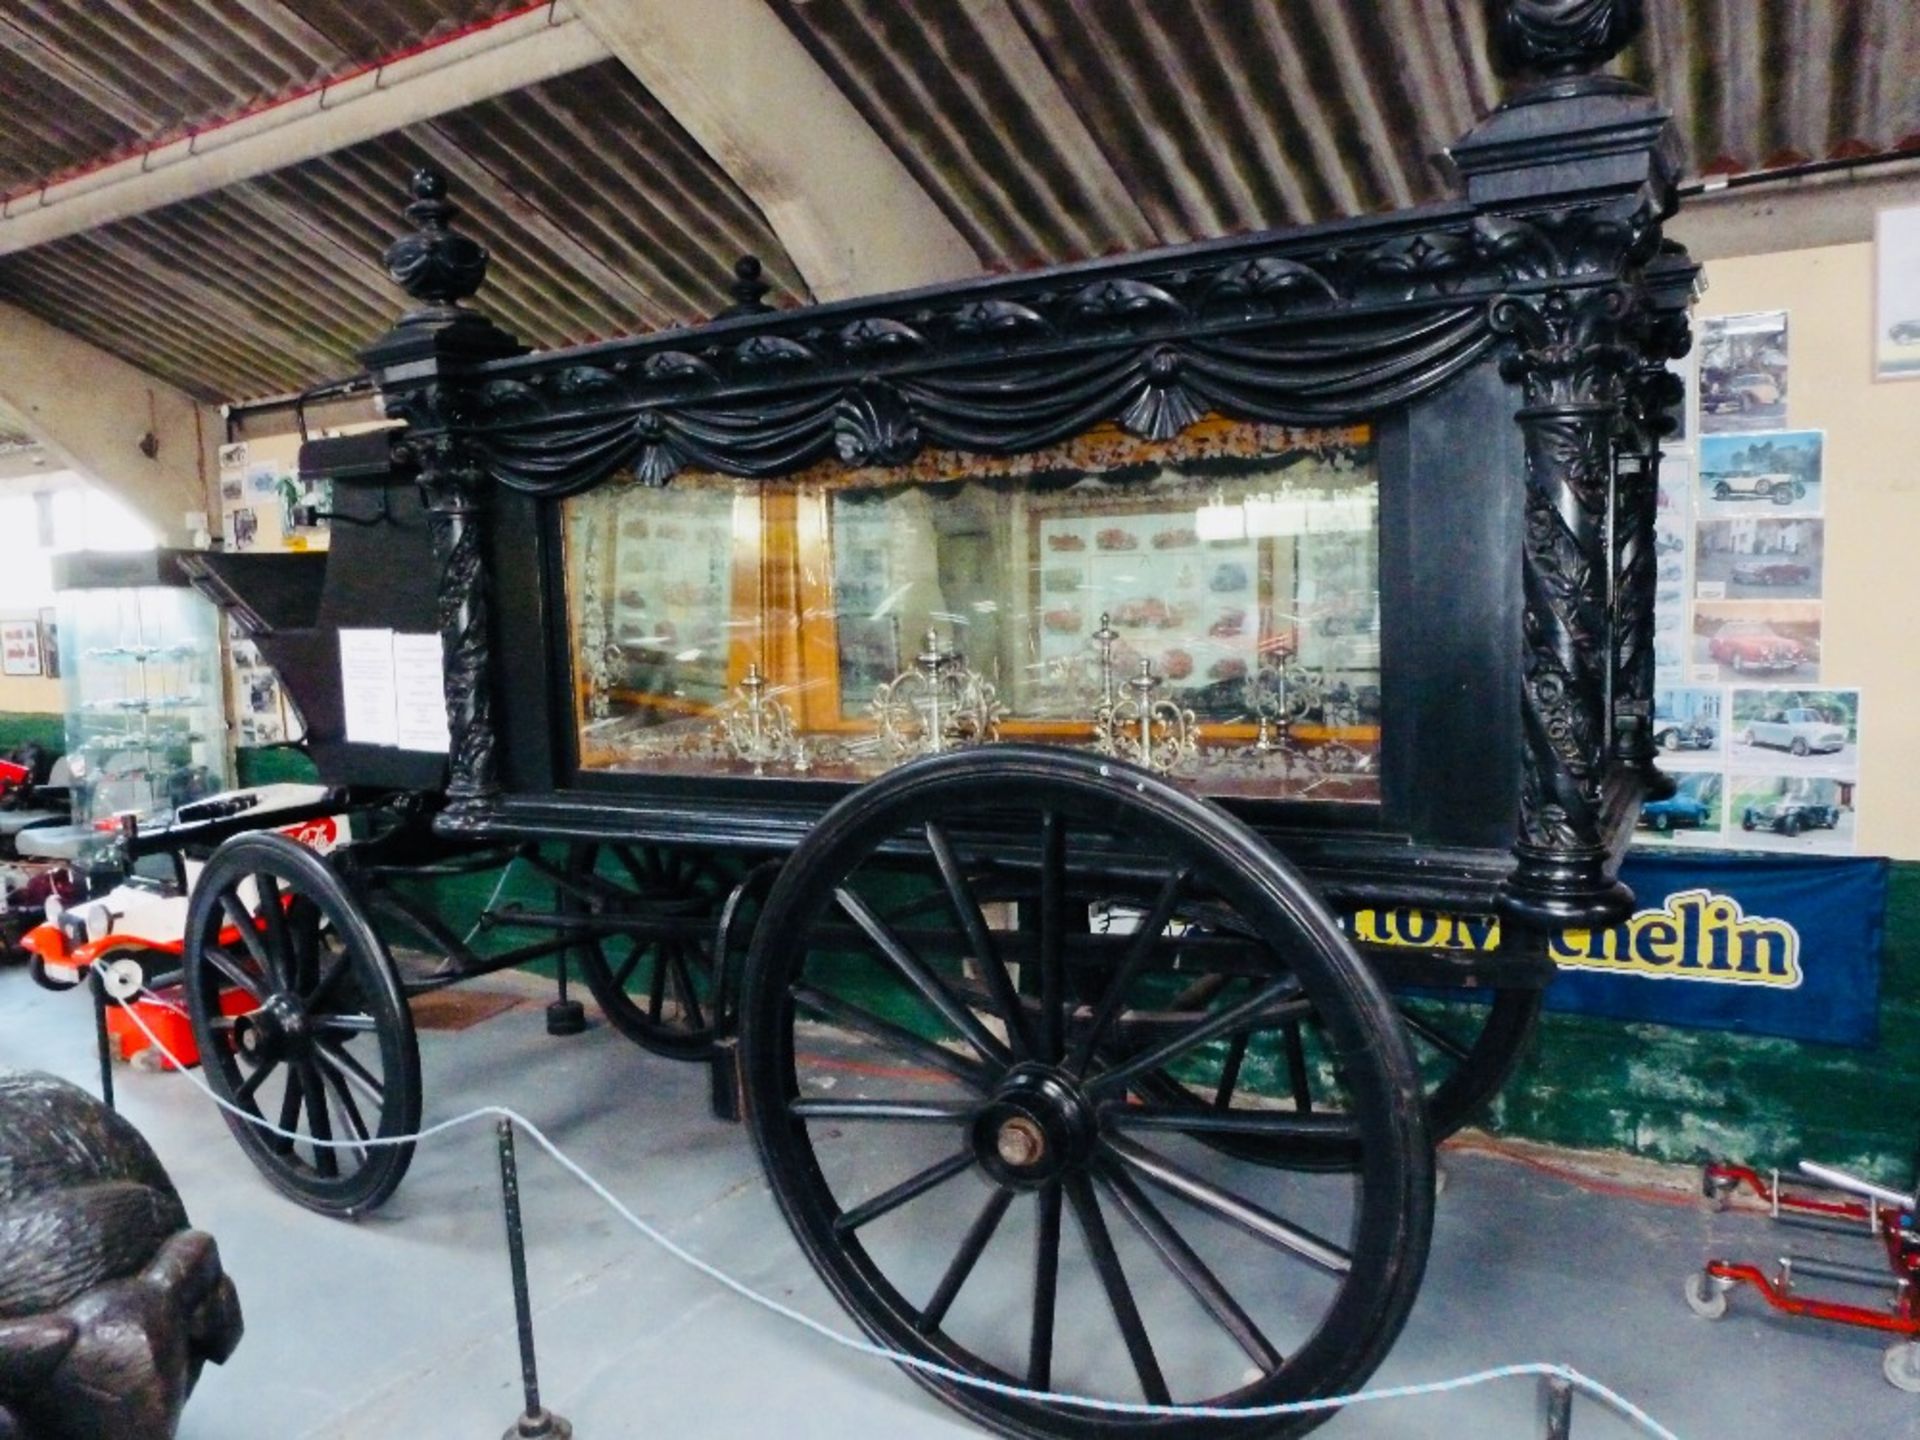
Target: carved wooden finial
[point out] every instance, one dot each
(748, 289)
(1558, 38)
(433, 264)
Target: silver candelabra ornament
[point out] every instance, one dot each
(1154, 733)
(1106, 637)
(936, 705)
(756, 727)
(1279, 696)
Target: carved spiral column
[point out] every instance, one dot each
(455, 488)
(1571, 363)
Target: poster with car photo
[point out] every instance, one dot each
(1743, 372)
(1775, 473)
(1693, 815)
(1751, 640)
(1896, 321)
(1687, 725)
(1797, 814)
(1753, 559)
(1791, 731)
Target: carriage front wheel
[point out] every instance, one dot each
(323, 1050)
(957, 1081)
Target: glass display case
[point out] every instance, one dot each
(1208, 606)
(146, 721)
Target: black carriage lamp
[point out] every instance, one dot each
(1559, 40)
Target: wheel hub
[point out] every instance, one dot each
(1036, 1127)
(278, 1030)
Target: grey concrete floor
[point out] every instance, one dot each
(401, 1324)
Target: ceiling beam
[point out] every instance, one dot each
(507, 56)
(95, 413)
(852, 218)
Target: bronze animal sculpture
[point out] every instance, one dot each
(109, 1304)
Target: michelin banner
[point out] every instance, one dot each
(1786, 945)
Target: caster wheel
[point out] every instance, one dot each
(1708, 1300)
(1901, 1366)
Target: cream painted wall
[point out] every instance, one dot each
(1871, 628)
(26, 695)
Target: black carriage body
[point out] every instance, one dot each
(1508, 351)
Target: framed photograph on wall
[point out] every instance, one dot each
(20, 647)
(1896, 297)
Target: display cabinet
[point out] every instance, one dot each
(146, 714)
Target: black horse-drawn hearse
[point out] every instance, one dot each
(1001, 727)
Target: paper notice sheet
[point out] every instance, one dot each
(367, 686)
(420, 697)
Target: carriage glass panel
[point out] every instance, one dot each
(1208, 605)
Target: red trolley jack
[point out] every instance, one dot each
(1830, 1202)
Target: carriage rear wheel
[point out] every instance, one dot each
(326, 1054)
(934, 1090)
(661, 992)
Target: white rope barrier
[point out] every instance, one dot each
(1619, 1404)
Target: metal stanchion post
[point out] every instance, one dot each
(1556, 1396)
(96, 982)
(535, 1421)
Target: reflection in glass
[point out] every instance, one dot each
(1207, 605)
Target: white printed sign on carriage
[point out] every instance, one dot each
(392, 690)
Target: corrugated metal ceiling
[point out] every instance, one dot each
(1046, 129)
(602, 215)
(85, 79)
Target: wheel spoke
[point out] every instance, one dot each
(642, 880)
(349, 1109)
(1260, 1124)
(1230, 1072)
(1278, 1000)
(1236, 1210)
(1113, 1279)
(971, 1248)
(303, 924)
(986, 955)
(1046, 1289)
(657, 985)
(281, 1143)
(929, 985)
(851, 1017)
(1434, 1036)
(636, 952)
(1139, 955)
(1053, 922)
(1296, 1048)
(249, 1087)
(325, 1159)
(232, 971)
(1181, 1258)
(336, 968)
(690, 1011)
(345, 1024)
(351, 1070)
(242, 920)
(887, 1201)
(279, 944)
(904, 1112)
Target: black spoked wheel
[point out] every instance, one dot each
(962, 1107)
(325, 1049)
(660, 991)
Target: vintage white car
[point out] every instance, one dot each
(1798, 730)
(1777, 486)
